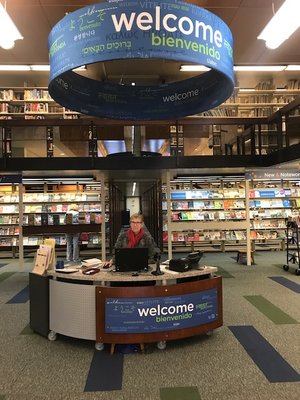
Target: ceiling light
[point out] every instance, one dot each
(193, 68)
(8, 30)
(282, 25)
(246, 90)
(133, 188)
(260, 68)
(293, 68)
(40, 67)
(81, 68)
(14, 68)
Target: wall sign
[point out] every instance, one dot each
(159, 314)
(10, 179)
(118, 30)
(284, 174)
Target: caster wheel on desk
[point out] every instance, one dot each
(161, 345)
(209, 333)
(297, 272)
(52, 336)
(99, 346)
(286, 267)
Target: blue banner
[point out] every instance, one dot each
(159, 314)
(118, 30)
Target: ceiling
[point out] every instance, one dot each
(246, 19)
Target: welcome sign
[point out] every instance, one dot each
(120, 30)
(160, 314)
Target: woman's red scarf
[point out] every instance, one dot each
(133, 239)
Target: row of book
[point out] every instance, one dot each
(208, 216)
(60, 197)
(194, 236)
(271, 224)
(60, 240)
(206, 194)
(64, 207)
(57, 219)
(9, 231)
(205, 204)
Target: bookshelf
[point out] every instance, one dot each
(271, 205)
(29, 213)
(228, 215)
(31, 103)
(208, 216)
(9, 218)
(260, 101)
(45, 207)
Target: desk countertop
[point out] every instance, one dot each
(110, 276)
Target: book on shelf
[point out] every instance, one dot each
(81, 217)
(56, 220)
(44, 219)
(69, 219)
(31, 219)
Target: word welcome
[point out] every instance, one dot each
(157, 311)
(181, 96)
(170, 23)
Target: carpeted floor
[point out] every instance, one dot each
(255, 355)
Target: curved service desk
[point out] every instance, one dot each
(175, 305)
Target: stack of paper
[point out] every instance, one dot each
(92, 262)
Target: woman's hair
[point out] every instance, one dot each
(73, 207)
(137, 215)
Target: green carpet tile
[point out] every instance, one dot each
(272, 312)
(5, 275)
(180, 393)
(223, 273)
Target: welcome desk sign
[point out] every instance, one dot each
(141, 30)
(150, 313)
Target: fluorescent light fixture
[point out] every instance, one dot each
(260, 68)
(8, 30)
(14, 68)
(245, 68)
(81, 68)
(282, 25)
(133, 188)
(293, 68)
(39, 67)
(193, 68)
(246, 90)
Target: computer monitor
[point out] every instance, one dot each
(131, 260)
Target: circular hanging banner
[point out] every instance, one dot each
(122, 30)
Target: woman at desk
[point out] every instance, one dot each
(136, 236)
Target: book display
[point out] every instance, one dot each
(221, 215)
(208, 216)
(45, 211)
(271, 205)
(9, 217)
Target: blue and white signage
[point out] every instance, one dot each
(119, 30)
(159, 314)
